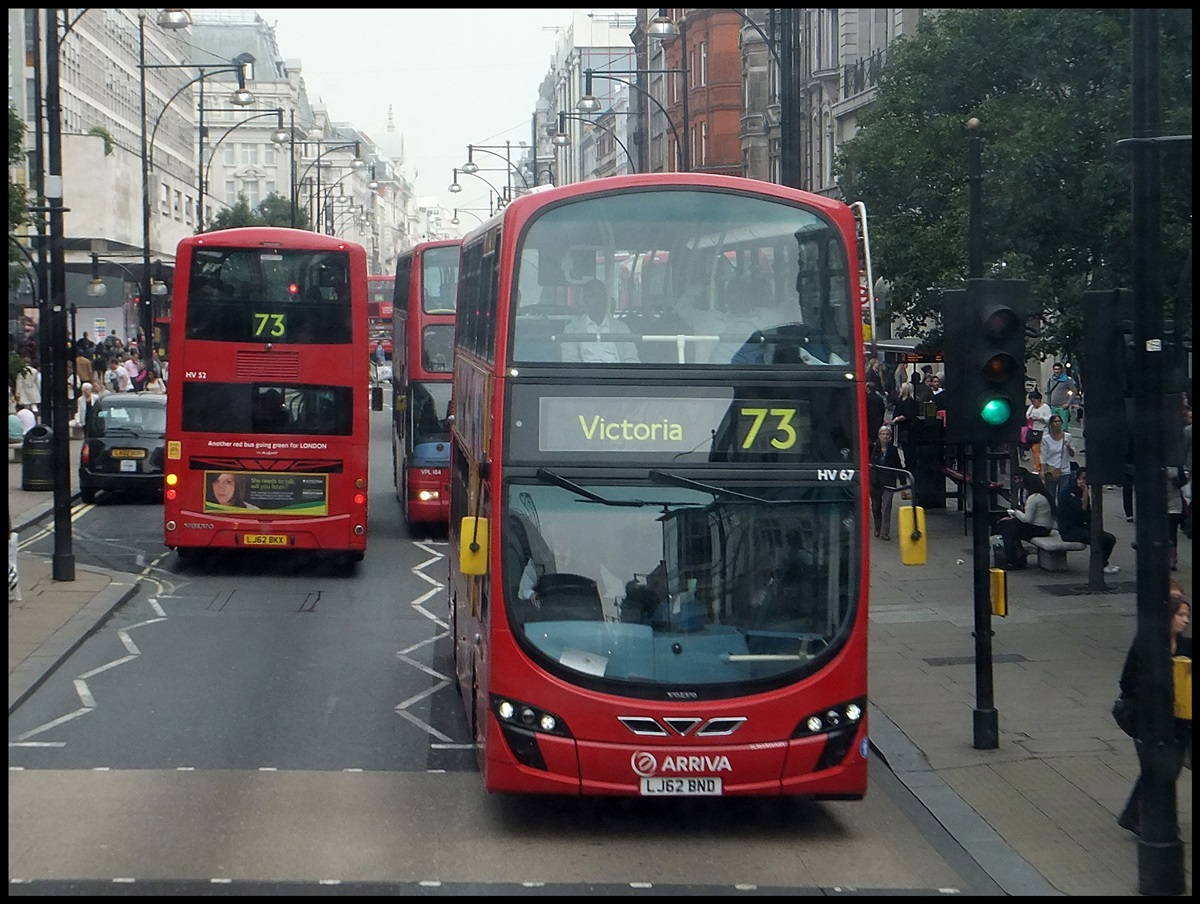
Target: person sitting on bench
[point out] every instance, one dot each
(1075, 517)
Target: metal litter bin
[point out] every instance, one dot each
(37, 459)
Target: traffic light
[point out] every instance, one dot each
(1107, 334)
(984, 351)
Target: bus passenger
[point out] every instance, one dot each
(596, 321)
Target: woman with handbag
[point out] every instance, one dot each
(1180, 615)
(1057, 453)
(1037, 422)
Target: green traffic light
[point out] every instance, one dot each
(996, 412)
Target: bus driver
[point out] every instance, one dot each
(595, 321)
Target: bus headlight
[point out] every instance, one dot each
(843, 715)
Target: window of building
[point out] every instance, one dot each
(269, 155)
(230, 154)
(230, 193)
(249, 153)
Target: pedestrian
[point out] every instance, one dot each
(116, 379)
(938, 396)
(876, 404)
(1035, 520)
(1057, 453)
(83, 405)
(904, 415)
(154, 383)
(1175, 482)
(28, 386)
(26, 417)
(1037, 419)
(924, 389)
(886, 461)
(1074, 517)
(1179, 613)
(1060, 391)
(84, 346)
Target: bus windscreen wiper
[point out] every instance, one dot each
(547, 476)
(676, 480)
(558, 480)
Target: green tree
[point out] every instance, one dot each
(18, 202)
(1053, 89)
(275, 210)
(239, 214)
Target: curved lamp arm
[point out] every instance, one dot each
(471, 148)
(587, 90)
(201, 77)
(278, 112)
(563, 117)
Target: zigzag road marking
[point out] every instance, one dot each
(80, 682)
(402, 708)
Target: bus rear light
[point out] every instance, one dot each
(427, 495)
(171, 480)
(360, 498)
(172, 493)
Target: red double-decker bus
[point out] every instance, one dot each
(422, 378)
(267, 417)
(657, 494)
(380, 291)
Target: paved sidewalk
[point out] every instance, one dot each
(1037, 813)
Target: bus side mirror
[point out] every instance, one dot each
(473, 545)
(913, 538)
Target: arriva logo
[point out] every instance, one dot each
(646, 764)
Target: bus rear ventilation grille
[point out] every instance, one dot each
(268, 366)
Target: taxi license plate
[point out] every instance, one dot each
(265, 539)
(128, 453)
(681, 787)
(129, 465)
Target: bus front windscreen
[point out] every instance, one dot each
(642, 588)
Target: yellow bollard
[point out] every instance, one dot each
(910, 522)
(998, 584)
(1183, 687)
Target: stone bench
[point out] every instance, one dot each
(15, 445)
(1052, 551)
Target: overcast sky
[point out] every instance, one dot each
(452, 76)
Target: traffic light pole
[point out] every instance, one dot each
(1160, 851)
(986, 721)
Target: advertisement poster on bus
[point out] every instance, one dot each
(269, 492)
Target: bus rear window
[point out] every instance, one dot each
(251, 295)
(259, 408)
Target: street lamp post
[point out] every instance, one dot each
(471, 167)
(357, 163)
(173, 20)
(63, 559)
(278, 137)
